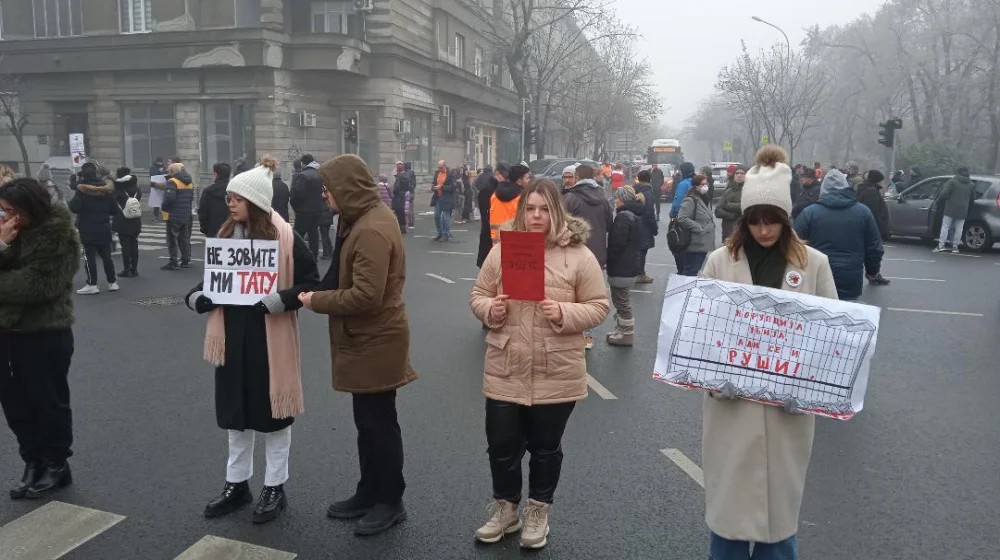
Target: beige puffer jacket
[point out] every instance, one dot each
(529, 359)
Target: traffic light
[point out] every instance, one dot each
(351, 130)
(887, 134)
(532, 135)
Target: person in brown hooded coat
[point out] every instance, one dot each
(362, 293)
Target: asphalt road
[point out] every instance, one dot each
(913, 476)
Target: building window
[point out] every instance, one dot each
(459, 51)
(478, 62)
(227, 132)
(247, 13)
(329, 17)
(367, 146)
(58, 18)
(1, 22)
(149, 132)
(418, 141)
(136, 16)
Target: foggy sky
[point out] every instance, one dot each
(689, 41)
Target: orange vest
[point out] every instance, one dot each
(500, 213)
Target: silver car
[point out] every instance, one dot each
(915, 212)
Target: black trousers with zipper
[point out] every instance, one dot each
(90, 254)
(512, 429)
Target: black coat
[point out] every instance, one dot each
(124, 188)
(94, 206)
(401, 186)
(646, 212)
(871, 196)
(623, 245)
(242, 385)
(212, 209)
(279, 200)
(306, 195)
(486, 188)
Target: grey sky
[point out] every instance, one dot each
(688, 41)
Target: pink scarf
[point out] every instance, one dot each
(283, 350)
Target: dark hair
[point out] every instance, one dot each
(875, 176)
(518, 172)
(306, 159)
(258, 224)
(122, 172)
(503, 168)
(223, 170)
(176, 159)
(645, 176)
(793, 249)
(697, 180)
(30, 198)
(88, 171)
(584, 171)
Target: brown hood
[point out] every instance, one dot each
(351, 183)
(96, 190)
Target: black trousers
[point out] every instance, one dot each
(380, 448)
(179, 241)
(401, 218)
(90, 253)
(510, 430)
(307, 225)
(130, 251)
(642, 260)
(324, 236)
(34, 392)
(678, 260)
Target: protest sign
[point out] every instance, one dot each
(522, 265)
(772, 345)
(240, 271)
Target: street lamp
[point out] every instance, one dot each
(782, 31)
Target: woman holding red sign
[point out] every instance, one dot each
(255, 350)
(535, 369)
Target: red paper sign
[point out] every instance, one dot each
(522, 265)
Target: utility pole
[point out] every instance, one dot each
(524, 115)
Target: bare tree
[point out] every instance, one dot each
(10, 111)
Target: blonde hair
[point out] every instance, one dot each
(6, 173)
(175, 168)
(557, 214)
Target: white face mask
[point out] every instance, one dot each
(703, 189)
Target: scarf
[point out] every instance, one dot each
(283, 350)
(767, 265)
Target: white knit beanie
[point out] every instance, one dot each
(255, 185)
(769, 182)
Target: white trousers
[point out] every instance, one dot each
(946, 223)
(276, 445)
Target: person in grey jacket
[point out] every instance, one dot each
(728, 209)
(586, 200)
(696, 217)
(956, 197)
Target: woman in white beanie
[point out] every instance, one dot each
(755, 455)
(255, 350)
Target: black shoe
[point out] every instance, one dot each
(53, 477)
(270, 504)
(438, 238)
(351, 508)
(380, 518)
(878, 280)
(185, 264)
(125, 274)
(135, 273)
(31, 473)
(170, 266)
(233, 497)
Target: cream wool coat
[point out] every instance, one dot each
(756, 456)
(529, 359)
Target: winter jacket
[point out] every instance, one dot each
(871, 196)
(503, 207)
(529, 359)
(178, 200)
(399, 190)
(36, 276)
(279, 197)
(957, 196)
(755, 456)
(94, 206)
(485, 186)
(729, 209)
(213, 211)
(696, 217)
(623, 245)
(125, 187)
(809, 196)
(681, 189)
(306, 195)
(647, 214)
(587, 201)
(656, 180)
(447, 194)
(369, 329)
(846, 232)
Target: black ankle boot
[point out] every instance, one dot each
(53, 477)
(233, 497)
(32, 471)
(270, 504)
(355, 506)
(380, 518)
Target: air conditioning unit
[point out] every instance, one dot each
(364, 5)
(407, 127)
(470, 133)
(446, 111)
(307, 120)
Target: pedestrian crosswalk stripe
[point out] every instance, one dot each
(218, 548)
(52, 531)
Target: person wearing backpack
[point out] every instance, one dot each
(695, 218)
(128, 222)
(624, 263)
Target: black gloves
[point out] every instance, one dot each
(261, 308)
(203, 304)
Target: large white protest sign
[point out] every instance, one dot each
(772, 345)
(240, 271)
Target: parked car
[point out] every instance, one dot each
(553, 171)
(915, 212)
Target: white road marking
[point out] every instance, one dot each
(963, 255)
(686, 465)
(934, 312)
(441, 278)
(52, 531)
(600, 389)
(166, 257)
(916, 279)
(661, 264)
(422, 236)
(889, 246)
(641, 291)
(218, 548)
(911, 260)
(468, 279)
(460, 231)
(452, 253)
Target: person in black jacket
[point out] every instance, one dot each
(486, 183)
(212, 208)
(128, 229)
(467, 195)
(809, 194)
(178, 203)
(306, 199)
(279, 200)
(646, 212)
(624, 263)
(656, 180)
(94, 206)
(870, 194)
(400, 188)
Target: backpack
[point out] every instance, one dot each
(132, 208)
(679, 238)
